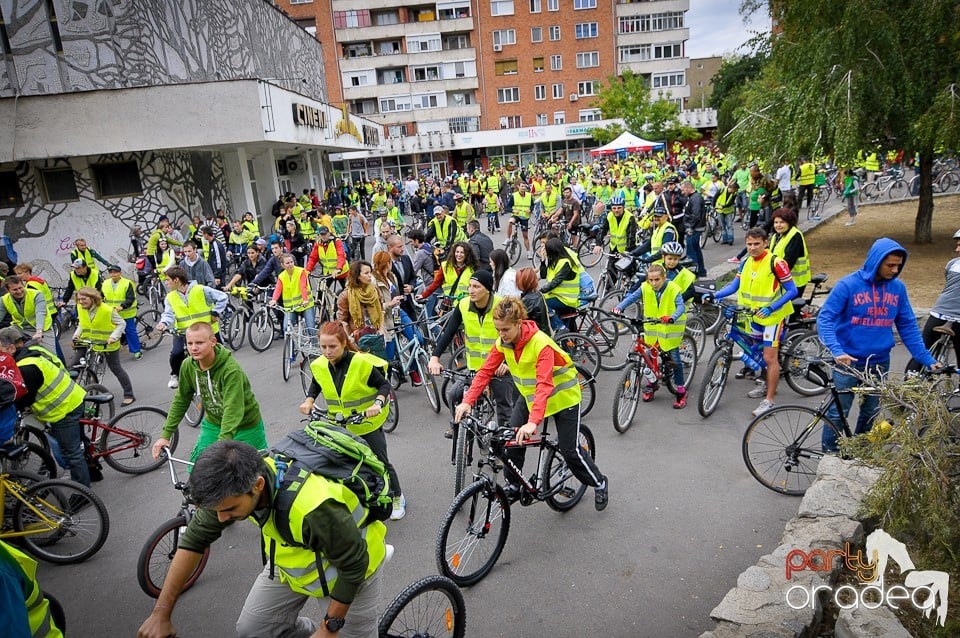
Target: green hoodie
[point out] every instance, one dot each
(228, 401)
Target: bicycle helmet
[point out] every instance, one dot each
(956, 235)
(618, 200)
(672, 248)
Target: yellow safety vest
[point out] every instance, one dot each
(59, 395)
(493, 181)
(450, 276)
(97, 327)
(291, 292)
(464, 213)
(549, 201)
(568, 292)
(307, 228)
(808, 173)
(629, 198)
(28, 316)
(442, 230)
(801, 269)
(521, 205)
(491, 203)
(656, 239)
(194, 310)
(872, 163)
(43, 288)
(479, 333)
(297, 564)
(618, 231)
(682, 279)
(169, 259)
(85, 255)
(473, 186)
(759, 288)
(328, 260)
(91, 279)
(38, 607)
(726, 202)
(566, 387)
(115, 294)
(668, 335)
(355, 395)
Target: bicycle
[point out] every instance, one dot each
(161, 545)
(150, 338)
(461, 449)
(296, 337)
(713, 229)
(91, 366)
(411, 356)
(482, 510)
(431, 606)
(154, 291)
(942, 349)
(55, 520)
(125, 440)
(646, 364)
(238, 327)
(320, 407)
(514, 244)
(325, 299)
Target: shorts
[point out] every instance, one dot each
(771, 335)
(524, 222)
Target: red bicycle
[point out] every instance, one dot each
(125, 440)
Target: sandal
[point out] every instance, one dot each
(128, 401)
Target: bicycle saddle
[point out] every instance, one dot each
(99, 398)
(819, 278)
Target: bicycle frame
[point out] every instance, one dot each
(133, 441)
(16, 490)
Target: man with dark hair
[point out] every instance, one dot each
(481, 244)
(695, 218)
(27, 309)
(215, 254)
(195, 266)
(336, 554)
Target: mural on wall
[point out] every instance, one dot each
(110, 44)
(176, 184)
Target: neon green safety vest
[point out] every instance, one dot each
(521, 205)
(725, 203)
(450, 276)
(355, 395)
(629, 198)
(297, 564)
(491, 203)
(307, 229)
(38, 608)
(97, 327)
(29, 314)
(668, 335)
(759, 288)
(194, 310)
(493, 181)
(169, 259)
(801, 269)
(549, 201)
(566, 387)
(328, 260)
(442, 230)
(618, 231)
(59, 395)
(90, 280)
(656, 239)
(85, 255)
(292, 295)
(464, 213)
(568, 292)
(479, 333)
(115, 294)
(682, 279)
(807, 174)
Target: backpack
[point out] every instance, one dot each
(588, 288)
(337, 455)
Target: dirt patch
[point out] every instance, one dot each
(839, 250)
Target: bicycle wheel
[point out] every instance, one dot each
(289, 353)
(796, 363)
(688, 356)
(714, 382)
(942, 350)
(711, 315)
(306, 374)
(627, 398)
(86, 376)
(585, 252)
(194, 414)
(463, 442)
(157, 553)
(128, 450)
(31, 434)
(33, 460)
(67, 522)
(612, 298)
(696, 329)
(430, 385)
(557, 473)
(703, 237)
(716, 231)
(393, 413)
(783, 447)
(238, 330)
(260, 329)
(149, 338)
(588, 390)
(581, 349)
(473, 533)
(869, 193)
(514, 249)
(897, 189)
(431, 606)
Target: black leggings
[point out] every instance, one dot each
(568, 434)
(377, 441)
(504, 394)
(929, 336)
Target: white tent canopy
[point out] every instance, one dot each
(626, 143)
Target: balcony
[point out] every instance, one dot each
(354, 34)
(652, 37)
(372, 91)
(405, 59)
(442, 112)
(637, 8)
(646, 67)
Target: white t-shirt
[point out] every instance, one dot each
(783, 178)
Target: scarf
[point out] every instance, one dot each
(365, 297)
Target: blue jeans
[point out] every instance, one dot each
(869, 407)
(309, 318)
(674, 356)
(69, 434)
(726, 228)
(558, 308)
(695, 253)
(133, 340)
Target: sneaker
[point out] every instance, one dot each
(389, 552)
(529, 255)
(681, 400)
(746, 372)
(506, 242)
(601, 495)
(758, 392)
(648, 396)
(174, 382)
(96, 474)
(850, 223)
(764, 407)
(399, 508)
(137, 355)
(817, 218)
(733, 260)
(415, 378)
(448, 434)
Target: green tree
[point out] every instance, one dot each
(727, 82)
(606, 134)
(860, 75)
(628, 98)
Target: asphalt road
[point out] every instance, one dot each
(685, 518)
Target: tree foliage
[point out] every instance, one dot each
(860, 75)
(606, 134)
(628, 98)
(733, 74)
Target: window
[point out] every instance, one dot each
(536, 6)
(364, 107)
(359, 49)
(10, 195)
(392, 47)
(392, 104)
(643, 52)
(507, 95)
(397, 130)
(390, 76)
(559, 117)
(59, 185)
(553, 5)
(425, 101)
(586, 30)
(666, 80)
(385, 18)
(584, 4)
(650, 22)
(116, 180)
(456, 42)
(345, 19)
(538, 64)
(462, 99)
(587, 88)
(501, 8)
(540, 92)
(463, 124)
(556, 62)
(419, 43)
(541, 119)
(426, 73)
(558, 91)
(459, 70)
(589, 115)
(510, 121)
(358, 80)
(506, 67)
(505, 36)
(588, 60)
(536, 34)
(554, 33)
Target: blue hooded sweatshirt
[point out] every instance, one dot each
(861, 311)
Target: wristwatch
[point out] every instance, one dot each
(379, 402)
(332, 623)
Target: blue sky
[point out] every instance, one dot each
(716, 27)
